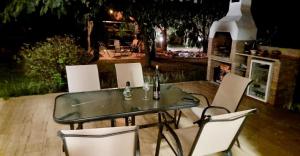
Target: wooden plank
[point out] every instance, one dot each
(27, 126)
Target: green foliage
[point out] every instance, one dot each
(172, 76)
(165, 14)
(46, 61)
(15, 8)
(80, 9)
(180, 76)
(22, 85)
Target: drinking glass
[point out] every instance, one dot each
(146, 89)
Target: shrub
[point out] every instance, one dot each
(18, 86)
(45, 61)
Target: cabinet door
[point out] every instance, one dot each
(260, 73)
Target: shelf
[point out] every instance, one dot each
(239, 72)
(264, 70)
(221, 59)
(241, 54)
(256, 56)
(241, 69)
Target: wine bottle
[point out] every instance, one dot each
(156, 85)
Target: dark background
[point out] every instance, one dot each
(276, 22)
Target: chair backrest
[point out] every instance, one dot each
(219, 133)
(112, 141)
(83, 78)
(131, 72)
(230, 91)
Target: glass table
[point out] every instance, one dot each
(78, 108)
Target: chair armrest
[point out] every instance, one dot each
(237, 116)
(204, 116)
(206, 99)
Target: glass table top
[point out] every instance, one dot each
(110, 104)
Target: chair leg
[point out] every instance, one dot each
(178, 119)
(238, 143)
(228, 153)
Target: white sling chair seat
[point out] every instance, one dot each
(111, 141)
(215, 134)
(83, 78)
(229, 95)
(131, 72)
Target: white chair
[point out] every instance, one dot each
(215, 134)
(131, 72)
(83, 78)
(229, 95)
(112, 141)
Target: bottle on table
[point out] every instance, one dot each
(156, 85)
(127, 91)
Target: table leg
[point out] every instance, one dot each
(126, 121)
(175, 116)
(178, 119)
(80, 126)
(159, 117)
(159, 137)
(72, 126)
(133, 120)
(112, 122)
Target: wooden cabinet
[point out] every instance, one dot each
(274, 85)
(265, 73)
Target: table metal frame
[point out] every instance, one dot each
(185, 101)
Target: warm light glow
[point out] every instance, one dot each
(111, 11)
(118, 15)
(131, 18)
(199, 39)
(161, 39)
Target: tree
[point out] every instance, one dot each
(83, 11)
(147, 13)
(164, 14)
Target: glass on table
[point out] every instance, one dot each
(146, 88)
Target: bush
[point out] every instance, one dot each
(45, 61)
(18, 86)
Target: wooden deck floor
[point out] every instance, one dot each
(27, 127)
